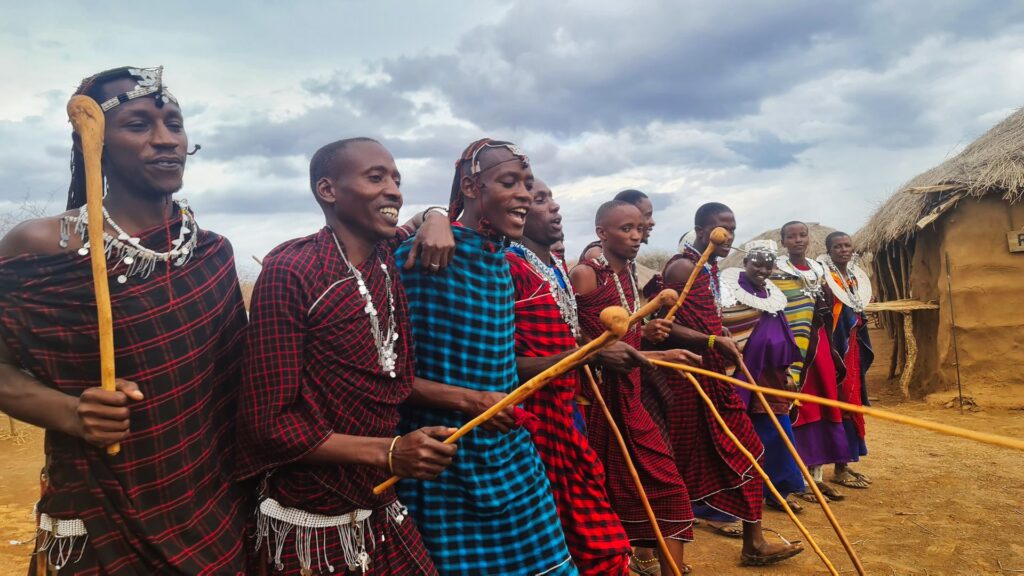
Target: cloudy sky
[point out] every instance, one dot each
(782, 109)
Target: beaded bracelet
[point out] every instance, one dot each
(439, 209)
(391, 450)
(711, 342)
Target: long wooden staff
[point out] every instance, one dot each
(718, 236)
(616, 322)
(803, 470)
(662, 546)
(88, 121)
(985, 437)
(764, 475)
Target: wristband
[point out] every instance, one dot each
(439, 209)
(711, 342)
(391, 450)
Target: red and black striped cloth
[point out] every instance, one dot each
(715, 470)
(651, 456)
(167, 503)
(593, 532)
(312, 370)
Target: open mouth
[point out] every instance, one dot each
(518, 215)
(390, 213)
(166, 164)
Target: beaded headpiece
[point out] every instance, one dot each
(469, 164)
(761, 250)
(150, 81)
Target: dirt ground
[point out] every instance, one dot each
(938, 505)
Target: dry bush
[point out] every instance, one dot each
(654, 259)
(26, 210)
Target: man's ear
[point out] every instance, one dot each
(601, 234)
(468, 187)
(325, 191)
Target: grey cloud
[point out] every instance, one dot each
(766, 151)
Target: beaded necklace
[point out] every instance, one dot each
(618, 284)
(810, 280)
(127, 250)
(565, 299)
(385, 342)
(713, 281)
(852, 288)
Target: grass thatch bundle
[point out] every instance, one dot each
(992, 164)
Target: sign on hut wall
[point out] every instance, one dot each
(1015, 240)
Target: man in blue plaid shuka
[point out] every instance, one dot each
(492, 511)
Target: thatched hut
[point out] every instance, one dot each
(817, 246)
(965, 214)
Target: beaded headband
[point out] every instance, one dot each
(474, 164)
(150, 81)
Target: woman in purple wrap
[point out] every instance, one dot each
(768, 354)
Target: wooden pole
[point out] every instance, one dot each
(764, 475)
(88, 121)
(718, 236)
(806, 473)
(662, 546)
(993, 439)
(952, 328)
(616, 322)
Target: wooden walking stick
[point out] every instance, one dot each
(719, 236)
(764, 475)
(662, 546)
(984, 437)
(88, 121)
(803, 470)
(616, 322)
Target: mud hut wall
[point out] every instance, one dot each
(926, 273)
(987, 296)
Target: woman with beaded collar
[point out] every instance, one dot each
(848, 290)
(769, 352)
(820, 437)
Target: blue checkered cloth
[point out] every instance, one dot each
(492, 511)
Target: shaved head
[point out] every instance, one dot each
(606, 209)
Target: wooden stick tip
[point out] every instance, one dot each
(616, 320)
(667, 297)
(720, 236)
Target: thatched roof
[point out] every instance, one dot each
(816, 248)
(992, 164)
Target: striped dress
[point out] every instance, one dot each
(799, 313)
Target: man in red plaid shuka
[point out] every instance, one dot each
(546, 329)
(607, 281)
(716, 472)
(166, 504)
(329, 358)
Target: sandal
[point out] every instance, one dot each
(649, 567)
(727, 529)
(789, 550)
(850, 480)
(810, 497)
(795, 506)
(859, 475)
(830, 492)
